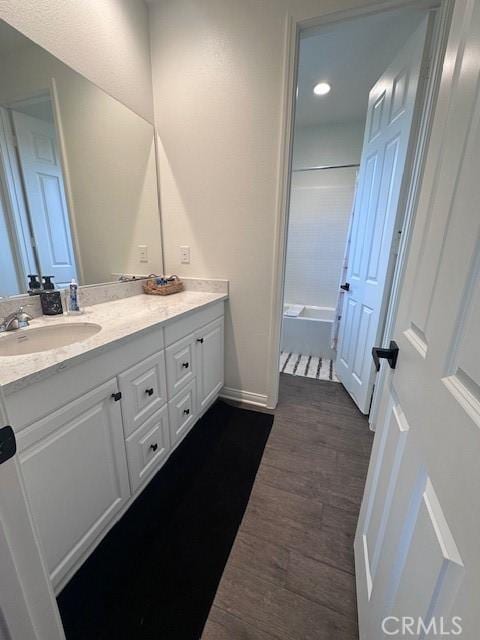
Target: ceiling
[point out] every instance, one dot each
(350, 56)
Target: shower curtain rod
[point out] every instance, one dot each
(327, 166)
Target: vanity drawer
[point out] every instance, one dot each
(144, 391)
(148, 448)
(181, 364)
(188, 324)
(182, 413)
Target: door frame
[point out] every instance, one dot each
(415, 164)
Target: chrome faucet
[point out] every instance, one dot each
(15, 320)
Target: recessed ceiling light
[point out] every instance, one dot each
(321, 89)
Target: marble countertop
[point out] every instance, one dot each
(120, 320)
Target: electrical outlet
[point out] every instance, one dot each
(143, 253)
(185, 255)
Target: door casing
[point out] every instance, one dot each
(415, 162)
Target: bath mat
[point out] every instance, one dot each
(156, 573)
(297, 364)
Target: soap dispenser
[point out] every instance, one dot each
(34, 286)
(50, 298)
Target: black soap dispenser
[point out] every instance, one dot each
(34, 286)
(50, 299)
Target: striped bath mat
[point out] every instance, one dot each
(297, 364)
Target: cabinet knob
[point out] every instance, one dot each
(149, 392)
(117, 396)
(200, 340)
(154, 447)
(186, 412)
(185, 365)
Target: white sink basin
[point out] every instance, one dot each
(33, 340)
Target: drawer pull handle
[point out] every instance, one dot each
(200, 340)
(185, 365)
(154, 447)
(149, 392)
(186, 412)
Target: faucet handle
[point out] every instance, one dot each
(23, 316)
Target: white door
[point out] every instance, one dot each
(45, 193)
(28, 610)
(417, 544)
(375, 221)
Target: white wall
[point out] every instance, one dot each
(105, 40)
(333, 144)
(320, 207)
(218, 73)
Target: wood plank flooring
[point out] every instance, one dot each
(290, 575)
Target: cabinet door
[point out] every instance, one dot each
(181, 364)
(74, 465)
(209, 345)
(144, 391)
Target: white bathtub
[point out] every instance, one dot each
(309, 333)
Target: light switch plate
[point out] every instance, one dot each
(185, 254)
(143, 253)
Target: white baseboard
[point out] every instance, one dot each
(255, 399)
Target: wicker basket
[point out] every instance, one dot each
(152, 288)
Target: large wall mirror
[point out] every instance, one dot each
(78, 187)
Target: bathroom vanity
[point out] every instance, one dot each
(96, 419)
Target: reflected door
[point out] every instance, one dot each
(45, 194)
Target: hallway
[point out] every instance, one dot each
(290, 574)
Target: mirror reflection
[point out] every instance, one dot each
(78, 187)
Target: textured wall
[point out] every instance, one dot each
(105, 40)
(218, 83)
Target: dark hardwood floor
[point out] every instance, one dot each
(290, 574)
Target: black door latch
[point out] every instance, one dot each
(345, 287)
(390, 354)
(8, 444)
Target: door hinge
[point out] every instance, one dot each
(8, 444)
(396, 242)
(117, 396)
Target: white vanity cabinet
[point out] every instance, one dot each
(93, 434)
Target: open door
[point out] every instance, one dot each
(376, 222)
(45, 194)
(416, 546)
(28, 610)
